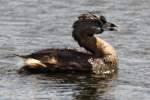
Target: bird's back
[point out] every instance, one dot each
(58, 60)
(68, 60)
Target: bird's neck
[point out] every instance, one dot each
(96, 45)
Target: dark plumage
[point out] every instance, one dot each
(101, 59)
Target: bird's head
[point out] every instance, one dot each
(91, 24)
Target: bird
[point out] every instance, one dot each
(99, 57)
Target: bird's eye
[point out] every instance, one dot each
(103, 19)
(100, 23)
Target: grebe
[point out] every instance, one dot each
(101, 58)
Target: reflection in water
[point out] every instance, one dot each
(93, 89)
(83, 87)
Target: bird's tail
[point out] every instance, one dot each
(30, 61)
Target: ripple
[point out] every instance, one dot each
(29, 25)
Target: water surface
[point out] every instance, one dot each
(30, 25)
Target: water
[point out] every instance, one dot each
(30, 25)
